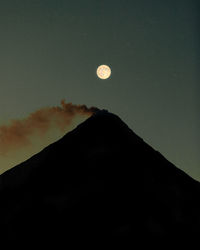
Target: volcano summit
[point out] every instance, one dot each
(99, 183)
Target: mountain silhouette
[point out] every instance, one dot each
(99, 183)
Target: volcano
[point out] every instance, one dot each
(99, 183)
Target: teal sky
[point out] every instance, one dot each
(50, 49)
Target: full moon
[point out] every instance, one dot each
(103, 72)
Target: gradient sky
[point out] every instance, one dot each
(50, 50)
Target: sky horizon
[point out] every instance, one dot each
(50, 50)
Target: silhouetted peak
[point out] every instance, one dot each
(105, 124)
(101, 112)
(104, 119)
(100, 181)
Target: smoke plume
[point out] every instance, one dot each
(19, 133)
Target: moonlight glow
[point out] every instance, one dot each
(103, 72)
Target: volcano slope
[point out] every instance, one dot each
(99, 183)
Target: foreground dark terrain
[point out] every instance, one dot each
(100, 184)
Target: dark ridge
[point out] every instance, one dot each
(100, 184)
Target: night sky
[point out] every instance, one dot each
(50, 50)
